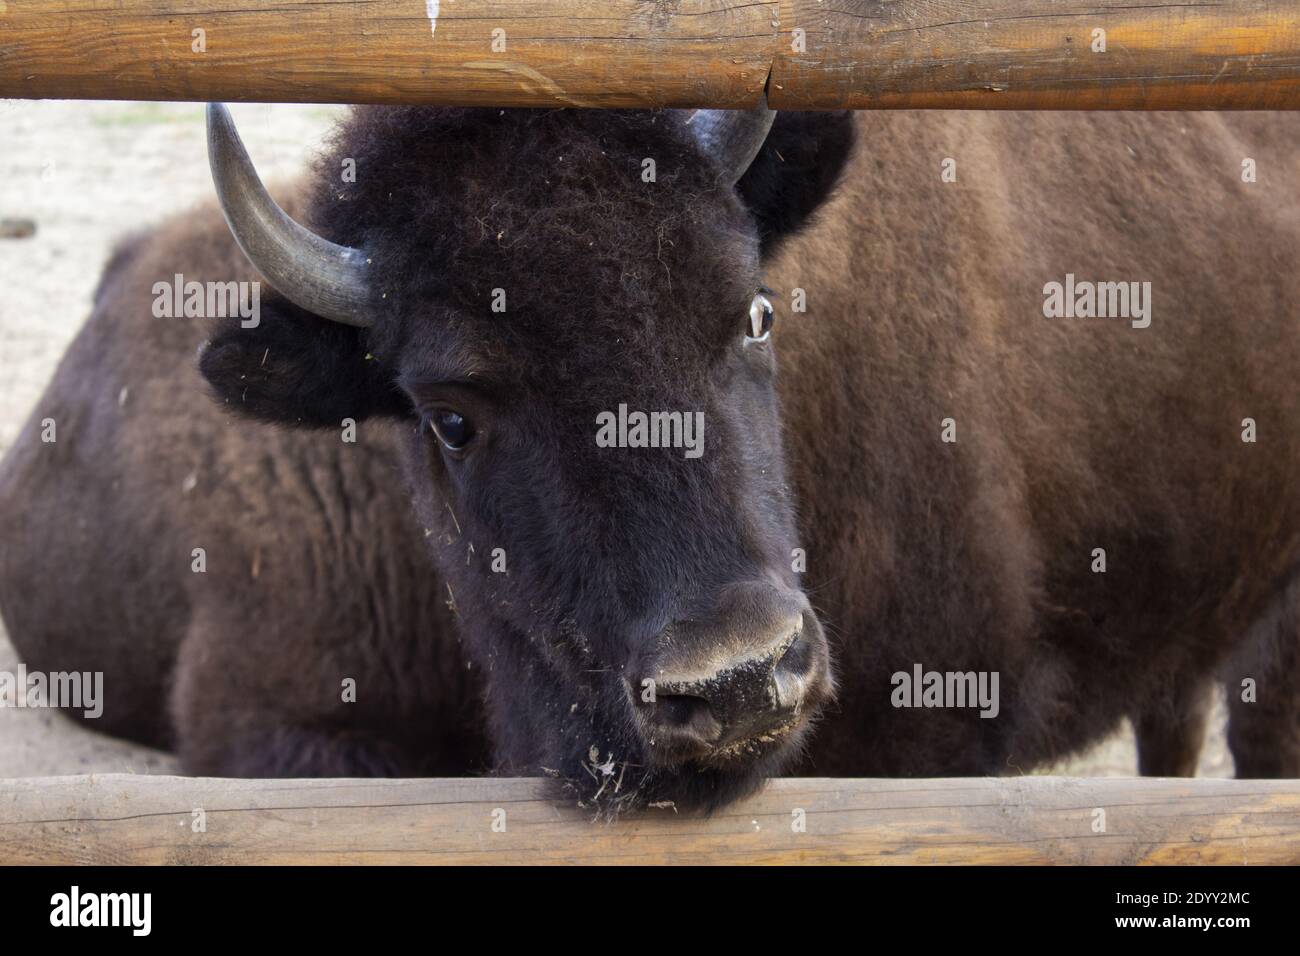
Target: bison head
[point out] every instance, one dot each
(565, 309)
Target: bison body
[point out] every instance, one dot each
(955, 461)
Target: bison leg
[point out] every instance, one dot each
(1171, 730)
(253, 701)
(1263, 684)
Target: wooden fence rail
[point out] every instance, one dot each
(128, 819)
(985, 54)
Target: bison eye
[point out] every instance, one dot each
(452, 428)
(760, 320)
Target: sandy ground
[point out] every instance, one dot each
(85, 173)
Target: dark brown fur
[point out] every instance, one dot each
(924, 303)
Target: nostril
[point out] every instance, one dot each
(686, 713)
(795, 672)
(797, 661)
(677, 709)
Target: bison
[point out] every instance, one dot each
(406, 521)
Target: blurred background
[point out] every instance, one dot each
(74, 176)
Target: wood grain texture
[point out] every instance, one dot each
(556, 52)
(1012, 54)
(124, 819)
(1038, 54)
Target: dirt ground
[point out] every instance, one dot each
(85, 173)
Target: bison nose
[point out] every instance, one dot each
(712, 690)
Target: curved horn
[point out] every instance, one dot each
(324, 278)
(733, 136)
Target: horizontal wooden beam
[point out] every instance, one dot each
(862, 54)
(120, 818)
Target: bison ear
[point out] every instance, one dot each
(795, 171)
(299, 369)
